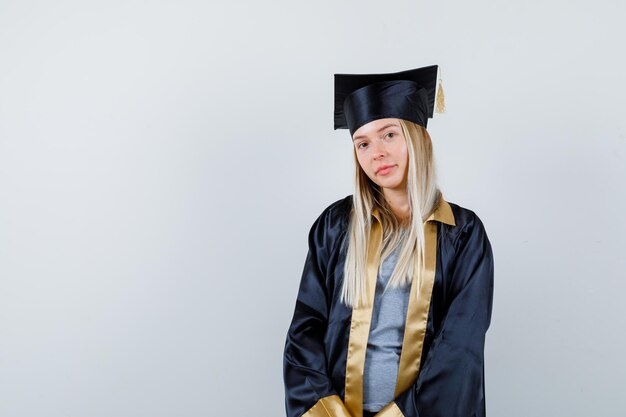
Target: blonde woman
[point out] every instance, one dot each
(396, 294)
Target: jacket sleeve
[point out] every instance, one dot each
(308, 389)
(451, 381)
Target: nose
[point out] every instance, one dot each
(378, 151)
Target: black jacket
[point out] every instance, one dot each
(441, 371)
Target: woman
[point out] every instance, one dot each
(396, 294)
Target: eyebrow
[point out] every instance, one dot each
(378, 131)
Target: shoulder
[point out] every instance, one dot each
(329, 227)
(336, 213)
(472, 253)
(467, 223)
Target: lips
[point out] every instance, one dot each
(383, 169)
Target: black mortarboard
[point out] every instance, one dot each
(361, 98)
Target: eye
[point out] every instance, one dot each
(390, 133)
(359, 145)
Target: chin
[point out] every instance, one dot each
(389, 183)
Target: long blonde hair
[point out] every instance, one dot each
(423, 196)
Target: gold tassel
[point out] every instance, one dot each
(440, 106)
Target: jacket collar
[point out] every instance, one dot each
(443, 213)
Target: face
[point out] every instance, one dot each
(382, 153)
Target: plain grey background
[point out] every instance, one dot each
(161, 164)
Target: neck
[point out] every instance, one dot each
(398, 200)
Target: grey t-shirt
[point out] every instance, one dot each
(385, 339)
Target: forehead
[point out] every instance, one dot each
(375, 126)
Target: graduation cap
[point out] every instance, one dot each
(409, 95)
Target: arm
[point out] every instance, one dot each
(451, 382)
(308, 389)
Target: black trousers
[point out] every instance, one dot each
(368, 413)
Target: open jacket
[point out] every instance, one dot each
(441, 369)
